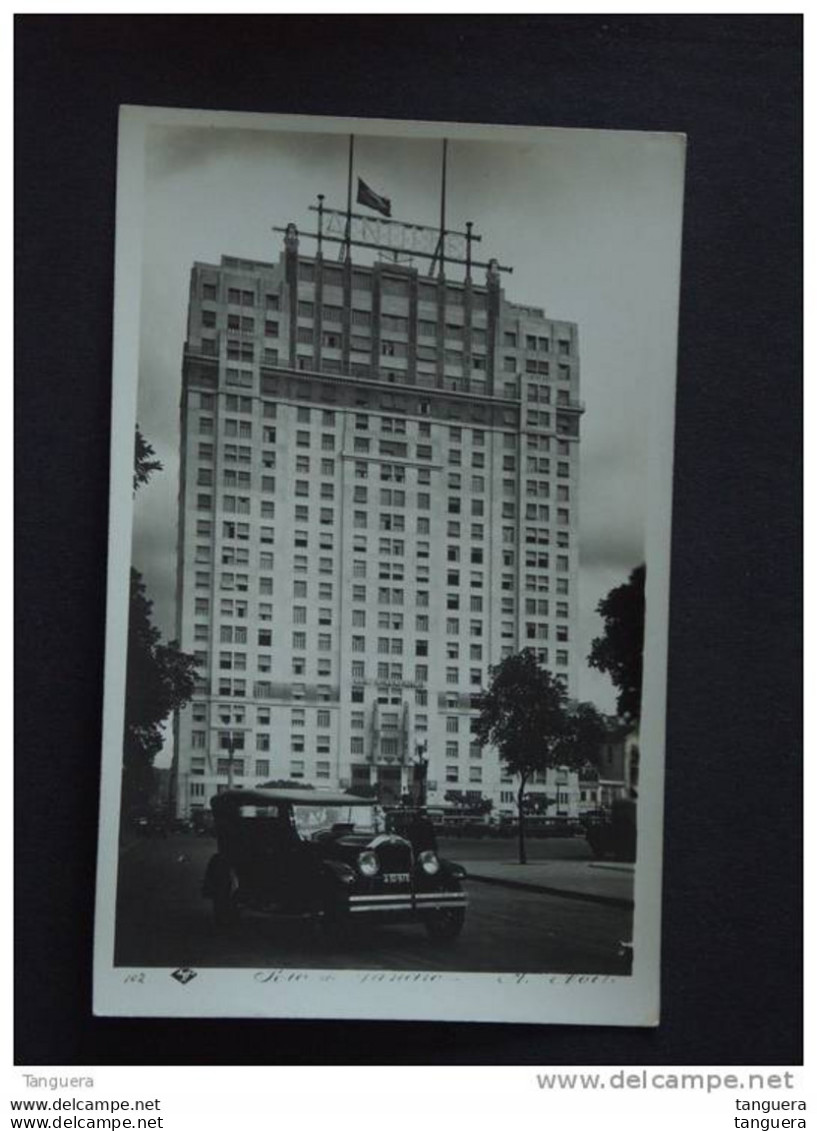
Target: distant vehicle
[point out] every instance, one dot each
(326, 857)
(594, 817)
(615, 837)
(151, 826)
(202, 822)
(455, 821)
(413, 823)
(537, 825)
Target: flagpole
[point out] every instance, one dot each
(442, 209)
(349, 197)
(439, 250)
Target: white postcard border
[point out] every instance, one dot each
(367, 994)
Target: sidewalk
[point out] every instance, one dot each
(596, 881)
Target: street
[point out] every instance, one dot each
(162, 920)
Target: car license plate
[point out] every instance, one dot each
(395, 877)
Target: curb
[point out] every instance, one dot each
(544, 889)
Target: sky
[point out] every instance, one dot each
(587, 219)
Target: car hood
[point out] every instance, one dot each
(349, 846)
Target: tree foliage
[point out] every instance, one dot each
(526, 714)
(619, 652)
(585, 729)
(144, 463)
(160, 679)
(523, 714)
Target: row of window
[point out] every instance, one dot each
(260, 767)
(230, 581)
(361, 444)
(393, 374)
(237, 661)
(297, 769)
(243, 453)
(387, 547)
(236, 715)
(390, 286)
(332, 276)
(239, 555)
(242, 429)
(239, 608)
(539, 631)
(391, 672)
(452, 774)
(328, 419)
(244, 350)
(237, 688)
(243, 404)
(361, 320)
(393, 596)
(454, 360)
(389, 448)
(388, 347)
(360, 518)
(386, 619)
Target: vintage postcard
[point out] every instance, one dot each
(389, 570)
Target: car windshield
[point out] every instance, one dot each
(259, 811)
(310, 819)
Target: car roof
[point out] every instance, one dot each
(233, 798)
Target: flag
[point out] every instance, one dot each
(371, 199)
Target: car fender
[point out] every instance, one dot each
(338, 873)
(217, 866)
(451, 871)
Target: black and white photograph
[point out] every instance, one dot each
(389, 569)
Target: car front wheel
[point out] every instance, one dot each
(444, 926)
(335, 924)
(225, 905)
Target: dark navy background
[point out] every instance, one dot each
(732, 912)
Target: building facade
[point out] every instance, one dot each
(377, 501)
(618, 767)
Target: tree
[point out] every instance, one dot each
(524, 714)
(143, 462)
(160, 680)
(620, 651)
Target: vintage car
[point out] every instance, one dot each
(615, 836)
(326, 857)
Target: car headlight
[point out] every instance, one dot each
(368, 863)
(429, 862)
